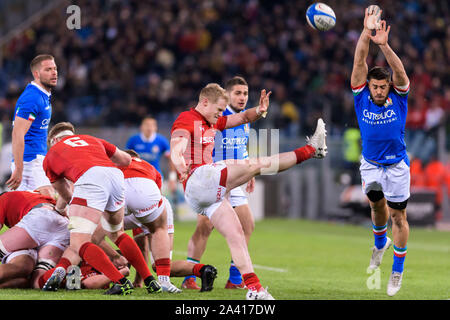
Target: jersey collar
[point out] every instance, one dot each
(40, 88)
(150, 139)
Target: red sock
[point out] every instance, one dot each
(251, 281)
(131, 251)
(96, 257)
(196, 269)
(63, 262)
(163, 267)
(304, 153)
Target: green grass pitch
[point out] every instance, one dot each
(302, 260)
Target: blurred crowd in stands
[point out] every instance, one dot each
(133, 58)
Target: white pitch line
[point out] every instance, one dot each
(269, 268)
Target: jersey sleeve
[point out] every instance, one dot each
(51, 175)
(109, 148)
(402, 91)
(221, 123)
(182, 128)
(3, 201)
(359, 92)
(401, 94)
(27, 109)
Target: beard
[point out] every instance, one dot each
(378, 101)
(47, 84)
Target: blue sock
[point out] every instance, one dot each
(379, 233)
(399, 259)
(193, 261)
(235, 275)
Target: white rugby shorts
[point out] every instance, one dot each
(393, 180)
(29, 252)
(237, 197)
(143, 199)
(33, 174)
(46, 227)
(206, 188)
(101, 188)
(131, 222)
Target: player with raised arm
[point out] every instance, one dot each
(97, 198)
(207, 184)
(32, 116)
(381, 108)
(229, 144)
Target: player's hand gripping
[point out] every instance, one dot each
(381, 36)
(372, 17)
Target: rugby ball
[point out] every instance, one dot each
(320, 16)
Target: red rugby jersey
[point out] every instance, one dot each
(74, 155)
(16, 204)
(139, 168)
(200, 133)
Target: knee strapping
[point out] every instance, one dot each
(397, 205)
(375, 196)
(81, 225)
(108, 227)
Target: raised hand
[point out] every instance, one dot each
(372, 17)
(381, 35)
(264, 102)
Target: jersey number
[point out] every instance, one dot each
(76, 142)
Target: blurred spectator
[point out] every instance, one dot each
(136, 57)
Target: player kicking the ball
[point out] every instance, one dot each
(207, 184)
(381, 112)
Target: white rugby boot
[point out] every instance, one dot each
(395, 283)
(167, 286)
(262, 294)
(318, 140)
(55, 280)
(377, 254)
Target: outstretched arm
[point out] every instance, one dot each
(252, 114)
(399, 76)
(360, 68)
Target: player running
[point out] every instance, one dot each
(229, 144)
(381, 111)
(30, 124)
(97, 198)
(208, 184)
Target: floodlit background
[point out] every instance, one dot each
(130, 58)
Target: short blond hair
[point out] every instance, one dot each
(36, 62)
(213, 92)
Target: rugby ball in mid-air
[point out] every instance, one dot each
(320, 16)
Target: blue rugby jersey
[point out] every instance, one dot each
(151, 149)
(231, 143)
(34, 105)
(382, 127)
